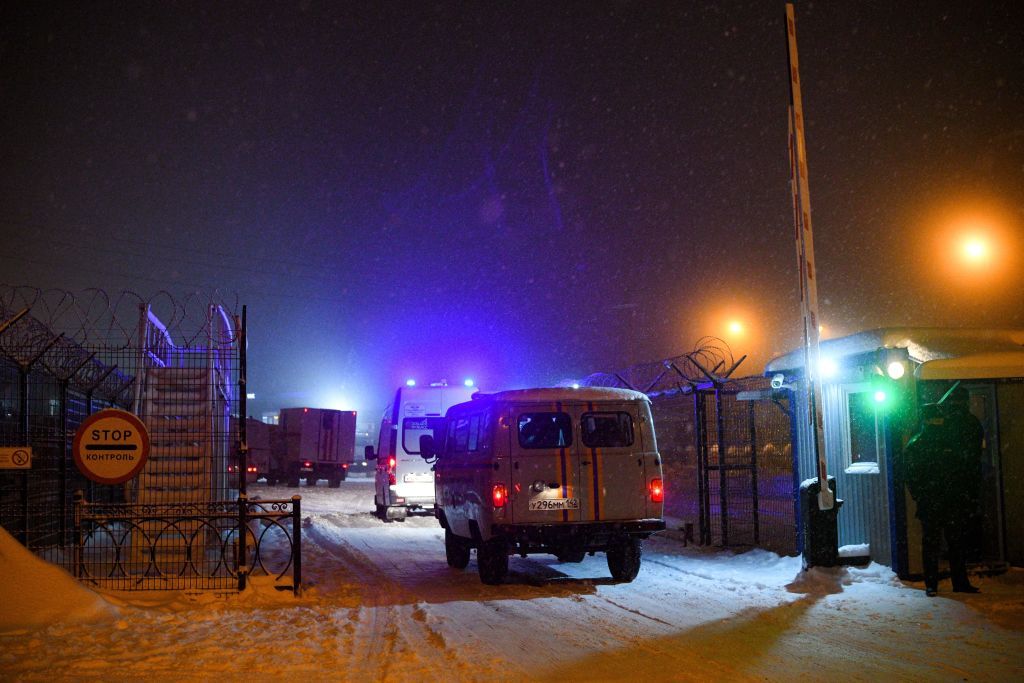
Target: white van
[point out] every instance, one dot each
(560, 471)
(404, 481)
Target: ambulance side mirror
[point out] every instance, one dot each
(427, 451)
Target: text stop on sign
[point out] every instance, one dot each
(111, 446)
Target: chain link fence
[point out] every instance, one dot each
(176, 364)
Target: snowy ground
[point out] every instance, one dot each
(382, 605)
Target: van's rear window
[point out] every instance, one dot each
(607, 430)
(545, 430)
(414, 427)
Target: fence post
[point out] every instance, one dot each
(723, 483)
(243, 527)
(23, 434)
(79, 541)
(297, 545)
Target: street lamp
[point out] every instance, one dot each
(975, 250)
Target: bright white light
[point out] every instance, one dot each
(975, 249)
(410, 382)
(575, 385)
(468, 382)
(250, 396)
(880, 396)
(895, 369)
(828, 367)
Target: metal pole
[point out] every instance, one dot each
(243, 387)
(243, 471)
(297, 545)
(705, 437)
(752, 425)
(79, 541)
(723, 487)
(63, 460)
(805, 260)
(243, 527)
(23, 429)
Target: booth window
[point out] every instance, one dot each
(867, 437)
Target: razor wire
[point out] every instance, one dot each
(710, 359)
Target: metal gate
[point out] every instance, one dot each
(746, 486)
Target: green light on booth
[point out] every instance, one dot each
(880, 396)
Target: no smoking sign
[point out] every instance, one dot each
(111, 446)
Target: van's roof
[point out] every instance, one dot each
(564, 394)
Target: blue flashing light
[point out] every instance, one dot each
(410, 382)
(468, 382)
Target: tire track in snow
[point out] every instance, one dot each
(385, 605)
(373, 634)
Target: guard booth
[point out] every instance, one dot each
(873, 384)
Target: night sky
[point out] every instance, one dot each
(517, 192)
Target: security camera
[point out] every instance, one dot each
(778, 381)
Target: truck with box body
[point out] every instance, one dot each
(550, 470)
(313, 444)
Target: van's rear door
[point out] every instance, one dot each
(545, 464)
(612, 467)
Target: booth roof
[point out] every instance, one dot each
(945, 353)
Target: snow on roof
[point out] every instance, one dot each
(554, 394)
(976, 366)
(927, 345)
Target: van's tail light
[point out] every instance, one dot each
(392, 461)
(657, 491)
(499, 495)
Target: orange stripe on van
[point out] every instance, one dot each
(595, 490)
(564, 469)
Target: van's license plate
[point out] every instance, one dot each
(555, 504)
(418, 478)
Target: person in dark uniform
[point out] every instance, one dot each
(942, 472)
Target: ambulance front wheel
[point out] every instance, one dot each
(624, 558)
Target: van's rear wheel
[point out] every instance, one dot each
(624, 558)
(492, 561)
(456, 550)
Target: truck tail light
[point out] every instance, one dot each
(307, 463)
(499, 495)
(392, 461)
(657, 491)
(251, 469)
(344, 465)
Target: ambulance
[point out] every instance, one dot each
(565, 471)
(404, 483)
